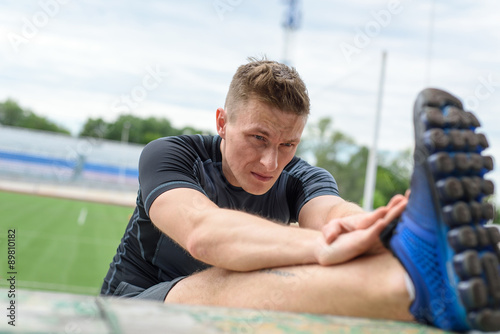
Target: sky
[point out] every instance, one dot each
(71, 60)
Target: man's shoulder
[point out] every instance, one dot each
(195, 141)
(204, 146)
(298, 165)
(192, 139)
(300, 169)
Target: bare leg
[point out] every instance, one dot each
(370, 286)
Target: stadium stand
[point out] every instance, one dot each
(57, 161)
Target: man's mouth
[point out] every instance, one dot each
(261, 177)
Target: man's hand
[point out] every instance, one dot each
(359, 221)
(348, 237)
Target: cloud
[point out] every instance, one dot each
(91, 53)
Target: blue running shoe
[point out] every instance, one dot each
(441, 238)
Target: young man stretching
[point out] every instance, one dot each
(212, 215)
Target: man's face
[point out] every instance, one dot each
(257, 144)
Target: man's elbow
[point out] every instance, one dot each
(197, 246)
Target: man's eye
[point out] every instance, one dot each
(259, 137)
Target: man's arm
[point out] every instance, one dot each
(322, 209)
(240, 241)
(227, 238)
(348, 231)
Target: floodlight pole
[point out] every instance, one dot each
(286, 46)
(290, 24)
(430, 38)
(371, 168)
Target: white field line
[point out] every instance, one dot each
(83, 216)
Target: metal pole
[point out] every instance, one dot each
(125, 132)
(430, 41)
(290, 25)
(286, 46)
(371, 168)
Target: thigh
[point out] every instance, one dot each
(370, 286)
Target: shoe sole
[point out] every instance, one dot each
(450, 149)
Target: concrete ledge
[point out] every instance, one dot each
(45, 312)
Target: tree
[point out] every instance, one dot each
(133, 129)
(94, 127)
(393, 177)
(346, 161)
(496, 219)
(11, 113)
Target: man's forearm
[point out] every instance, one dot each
(239, 241)
(344, 209)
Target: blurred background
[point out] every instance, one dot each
(85, 85)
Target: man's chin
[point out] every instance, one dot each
(257, 191)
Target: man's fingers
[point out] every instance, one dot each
(363, 236)
(395, 200)
(349, 245)
(396, 211)
(369, 219)
(331, 231)
(386, 214)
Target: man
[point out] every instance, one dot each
(211, 222)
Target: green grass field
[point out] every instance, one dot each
(61, 245)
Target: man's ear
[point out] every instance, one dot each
(221, 119)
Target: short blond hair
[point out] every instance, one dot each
(270, 82)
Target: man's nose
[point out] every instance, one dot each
(270, 159)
